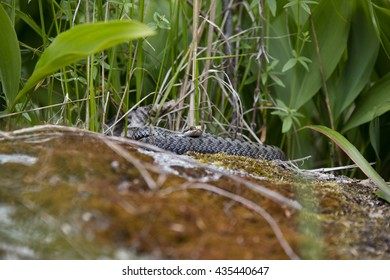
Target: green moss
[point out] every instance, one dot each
(257, 167)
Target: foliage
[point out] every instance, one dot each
(262, 66)
(80, 42)
(10, 57)
(357, 158)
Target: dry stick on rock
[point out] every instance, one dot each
(248, 204)
(136, 162)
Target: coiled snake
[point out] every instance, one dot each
(180, 143)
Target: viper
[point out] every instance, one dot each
(193, 139)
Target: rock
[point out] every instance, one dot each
(67, 193)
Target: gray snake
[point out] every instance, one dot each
(207, 143)
(180, 143)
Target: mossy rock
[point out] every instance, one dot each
(70, 194)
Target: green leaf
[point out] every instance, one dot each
(161, 21)
(80, 42)
(289, 64)
(356, 157)
(374, 102)
(291, 3)
(287, 123)
(277, 80)
(344, 87)
(382, 16)
(332, 29)
(26, 18)
(272, 6)
(375, 135)
(302, 60)
(281, 104)
(279, 113)
(306, 8)
(10, 61)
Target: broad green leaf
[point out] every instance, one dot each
(26, 18)
(272, 6)
(80, 42)
(374, 102)
(344, 87)
(280, 49)
(356, 157)
(382, 16)
(10, 61)
(332, 30)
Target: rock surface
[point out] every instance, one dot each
(70, 194)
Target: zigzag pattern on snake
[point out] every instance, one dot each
(206, 143)
(180, 143)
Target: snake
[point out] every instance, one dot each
(183, 142)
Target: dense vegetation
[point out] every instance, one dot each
(266, 68)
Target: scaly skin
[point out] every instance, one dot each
(207, 143)
(180, 143)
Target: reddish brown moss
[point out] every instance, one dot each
(82, 200)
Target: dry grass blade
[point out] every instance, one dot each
(248, 204)
(126, 155)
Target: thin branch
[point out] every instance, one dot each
(136, 162)
(248, 204)
(323, 77)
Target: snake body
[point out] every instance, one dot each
(206, 143)
(182, 142)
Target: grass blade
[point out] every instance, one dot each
(80, 42)
(10, 61)
(372, 104)
(357, 158)
(382, 16)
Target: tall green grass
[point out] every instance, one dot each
(263, 68)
